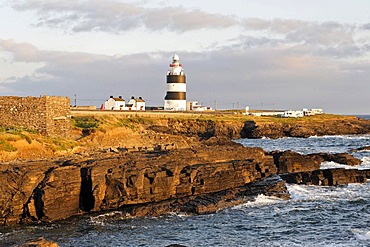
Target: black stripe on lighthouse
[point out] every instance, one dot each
(175, 96)
(176, 79)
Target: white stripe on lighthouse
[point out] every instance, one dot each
(176, 87)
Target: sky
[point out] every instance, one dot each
(265, 54)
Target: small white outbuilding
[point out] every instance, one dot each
(136, 104)
(114, 103)
(119, 104)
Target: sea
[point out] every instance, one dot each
(314, 216)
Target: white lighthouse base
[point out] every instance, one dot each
(175, 105)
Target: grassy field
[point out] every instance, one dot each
(214, 116)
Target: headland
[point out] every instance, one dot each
(154, 163)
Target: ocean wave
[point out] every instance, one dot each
(328, 193)
(103, 219)
(260, 200)
(349, 137)
(332, 165)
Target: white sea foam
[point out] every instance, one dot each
(179, 214)
(361, 234)
(102, 219)
(261, 200)
(328, 193)
(349, 137)
(331, 165)
(365, 160)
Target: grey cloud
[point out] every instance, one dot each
(257, 77)
(112, 16)
(276, 25)
(23, 52)
(328, 33)
(366, 26)
(330, 39)
(295, 31)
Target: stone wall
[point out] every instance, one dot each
(48, 115)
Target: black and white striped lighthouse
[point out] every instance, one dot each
(175, 99)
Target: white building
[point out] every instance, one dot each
(294, 114)
(317, 111)
(175, 99)
(136, 104)
(195, 106)
(114, 103)
(119, 104)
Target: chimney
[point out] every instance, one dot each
(120, 97)
(132, 97)
(140, 97)
(111, 97)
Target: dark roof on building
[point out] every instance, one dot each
(118, 99)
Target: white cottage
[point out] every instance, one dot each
(115, 103)
(136, 104)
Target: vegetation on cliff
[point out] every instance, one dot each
(103, 130)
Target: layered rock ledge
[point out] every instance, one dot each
(305, 169)
(192, 180)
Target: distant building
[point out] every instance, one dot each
(317, 111)
(119, 104)
(287, 114)
(293, 114)
(195, 106)
(136, 104)
(115, 103)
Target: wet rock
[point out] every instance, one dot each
(329, 177)
(341, 158)
(41, 242)
(361, 149)
(212, 202)
(291, 162)
(214, 176)
(305, 128)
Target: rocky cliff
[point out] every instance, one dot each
(263, 127)
(191, 180)
(305, 128)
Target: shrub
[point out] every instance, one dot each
(85, 122)
(4, 146)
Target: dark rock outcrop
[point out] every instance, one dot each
(361, 149)
(329, 177)
(291, 162)
(305, 169)
(302, 128)
(341, 158)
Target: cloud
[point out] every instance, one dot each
(112, 16)
(328, 39)
(262, 77)
(22, 52)
(276, 25)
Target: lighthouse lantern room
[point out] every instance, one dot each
(175, 99)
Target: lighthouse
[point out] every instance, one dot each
(175, 99)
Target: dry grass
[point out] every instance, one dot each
(104, 129)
